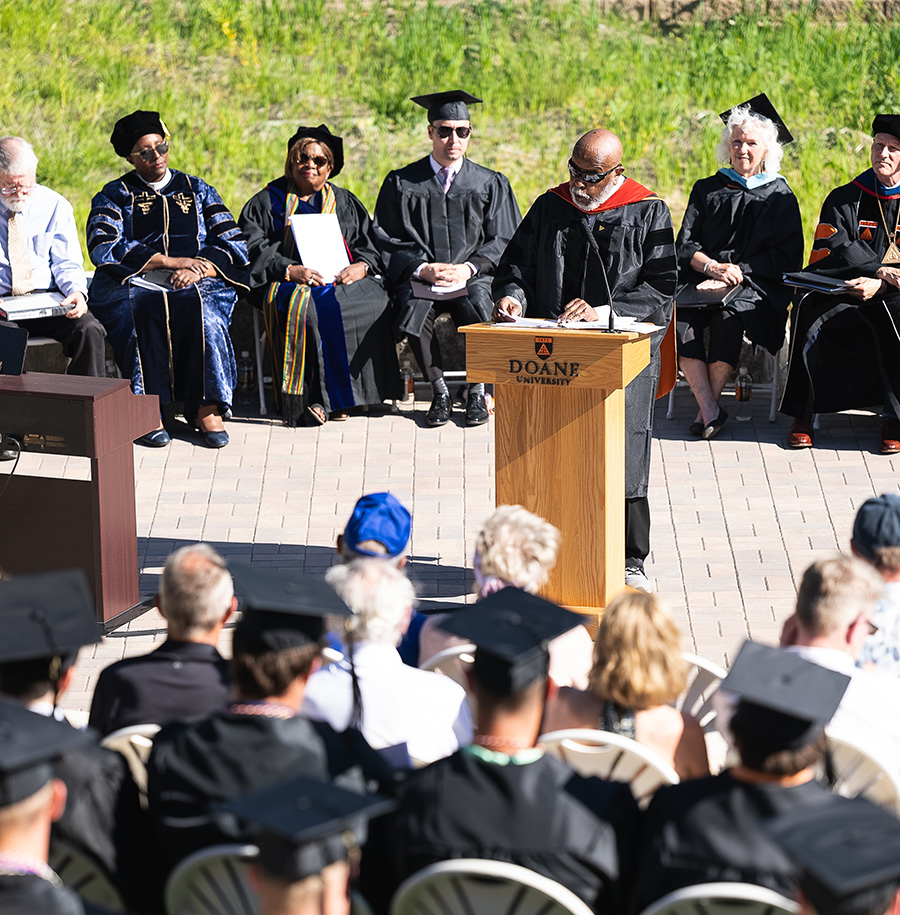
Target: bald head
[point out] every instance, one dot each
(601, 147)
(598, 152)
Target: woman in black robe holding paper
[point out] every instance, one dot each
(331, 342)
(742, 228)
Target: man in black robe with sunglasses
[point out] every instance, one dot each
(442, 224)
(619, 249)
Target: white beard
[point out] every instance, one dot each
(586, 202)
(14, 206)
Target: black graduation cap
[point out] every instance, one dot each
(322, 135)
(282, 608)
(447, 106)
(302, 826)
(132, 127)
(886, 123)
(29, 745)
(761, 105)
(785, 700)
(46, 615)
(842, 848)
(511, 629)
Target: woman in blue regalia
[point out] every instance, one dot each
(170, 342)
(332, 342)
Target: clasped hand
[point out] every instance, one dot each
(445, 274)
(187, 271)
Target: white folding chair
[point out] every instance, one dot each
(858, 773)
(134, 743)
(453, 662)
(704, 678)
(613, 757)
(83, 876)
(723, 899)
(472, 886)
(213, 881)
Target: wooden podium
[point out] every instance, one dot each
(58, 524)
(559, 429)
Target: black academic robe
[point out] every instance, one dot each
(28, 894)
(845, 353)
(761, 231)
(559, 253)
(179, 681)
(193, 769)
(540, 815)
(711, 829)
(416, 223)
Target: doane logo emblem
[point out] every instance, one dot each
(543, 347)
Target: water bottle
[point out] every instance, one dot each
(245, 379)
(409, 382)
(743, 392)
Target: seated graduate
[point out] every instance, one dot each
(845, 348)
(742, 228)
(422, 715)
(848, 856)
(712, 829)
(46, 619)
(309, 837)
(637, 672)
(31, 800)
(185, 678)
(501, 797)
(332, 342)
(173, 343)
(260, 739)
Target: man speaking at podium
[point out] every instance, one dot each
(597, 240)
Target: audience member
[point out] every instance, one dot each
(501, 797)
(835, 608)
(442, 223)
(516, 547)
(423, 715)
(711, 829)
(637, 672)
(186, 678)
(260, 739)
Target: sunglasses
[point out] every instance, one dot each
(152, 152)
(589, 177)
(444, 132)
(304, 158)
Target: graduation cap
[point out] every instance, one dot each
(886, 123)
(283, 609)
(381, 517)
(512, 629)
(29, 745)
(132, 127)
(877, 523)
(48, 615)
(762, 107)
(324, 136)
(785, 700)
(843, 848)
(304, 825)
(447, 106)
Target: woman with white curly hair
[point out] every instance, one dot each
(742, 228)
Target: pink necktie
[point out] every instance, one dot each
(446, 176)
(19, 259)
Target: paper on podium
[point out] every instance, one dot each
(320, 243)
(623, 324)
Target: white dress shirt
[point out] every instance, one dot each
(56, 258)
(401, 705)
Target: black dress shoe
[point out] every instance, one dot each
(158, 438)
(215, 439)
(715, 427)
(439, 412)
(476, 410)
(696, 428)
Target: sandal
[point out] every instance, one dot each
(339, 416)
(316, 412)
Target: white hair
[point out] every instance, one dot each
(195, 590)
(380, 596)
(740, 119)
(518, 547)
(17, 156)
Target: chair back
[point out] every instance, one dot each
(723, 899)
(453, 662)
(704, 678)
(135, 744)
(613, 757)
(471, 886)
(83, 876)
(856, 772)
(213, 881)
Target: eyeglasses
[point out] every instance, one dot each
(589, 177)
(304, 158)
(872, 627)
(444, 131)
(21, 189)
(152, 152)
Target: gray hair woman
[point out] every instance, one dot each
(741, 229)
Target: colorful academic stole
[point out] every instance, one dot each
(291, 299)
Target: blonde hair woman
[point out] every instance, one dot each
(638, 670)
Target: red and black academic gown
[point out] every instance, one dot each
(560, 252)
(845, 353)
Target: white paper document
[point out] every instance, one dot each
(158, 280)
(622, 324)
(320, 243)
